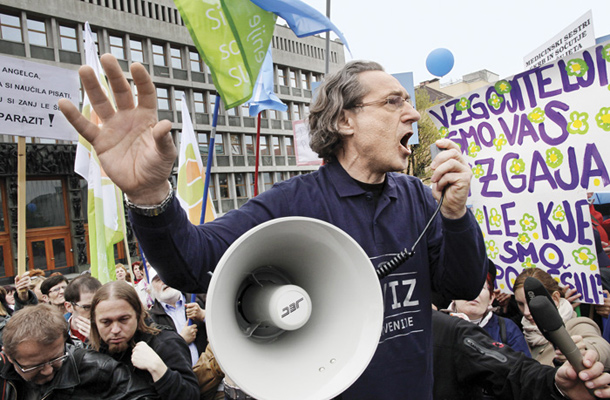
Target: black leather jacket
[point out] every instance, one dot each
(470, 365)
(85, 375)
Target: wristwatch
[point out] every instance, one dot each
(151, 210)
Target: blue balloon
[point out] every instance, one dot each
(439, 62)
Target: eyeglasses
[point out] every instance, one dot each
(55, 363)
(57, 289)
(395, 101)
(86, 307)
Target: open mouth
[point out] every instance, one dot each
(404, 141)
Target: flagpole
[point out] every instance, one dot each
(144, 264)
(208, 168)
(257, 154)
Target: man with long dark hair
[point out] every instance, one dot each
(160, 356)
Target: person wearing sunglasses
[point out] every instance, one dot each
(38, 363)
(79, 295)
(360, 123)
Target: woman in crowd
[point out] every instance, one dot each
(9, 298)
(480, 312)
(584, 331)
(122, 274)
(138, 271)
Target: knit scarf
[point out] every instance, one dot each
(532, 334)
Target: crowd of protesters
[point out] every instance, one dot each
(117, 342)
(80, 339)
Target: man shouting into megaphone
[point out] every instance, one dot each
(360, 124)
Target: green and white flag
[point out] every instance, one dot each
(191, 173)
(106, 218)
(232, 37)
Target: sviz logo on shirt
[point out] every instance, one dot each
(291, 308)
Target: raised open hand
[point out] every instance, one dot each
(135, 149)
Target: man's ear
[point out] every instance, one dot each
(7, 356)
(69, 307)
(346, 123)
(45, 298)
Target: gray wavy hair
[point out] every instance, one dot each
(339, 91)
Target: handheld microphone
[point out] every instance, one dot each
(533, 288)
(549, 322)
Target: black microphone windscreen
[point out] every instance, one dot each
(533, 287)
(545, 314)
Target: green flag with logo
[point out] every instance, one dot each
(232, 37)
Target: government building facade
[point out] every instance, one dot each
(150, 32)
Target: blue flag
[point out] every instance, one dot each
(263, 97)
(303, 19)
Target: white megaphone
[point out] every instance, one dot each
(294, 310)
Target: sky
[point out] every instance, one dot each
(481, 34)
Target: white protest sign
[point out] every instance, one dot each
(576, 37)
(536, 143)
(305, 155)
(29, 93)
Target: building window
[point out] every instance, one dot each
(159, 55)
(196, 64)
(305, 81)
(296, 112)
(251, 177)
(212, 189)
(67, 38)
(223, 186)
(281, 77)
(232, 112)
(264, 150)
(219, 146)
(279, 176)
(293, 79)
(267, 180)
(10, 28)
(178, 96)
(37, 32)
(288, 141)
(199, 98)
(176, 56)
(117, 47)
(277, 149)
(272, 114)
(250, 143)
(212, 102)
(136, 51)
(204, 143)
(240, 186)
(162, 99)
(245, 110)
(236, 149)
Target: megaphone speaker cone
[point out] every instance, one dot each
(294, 310)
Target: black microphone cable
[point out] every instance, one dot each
(387, 268)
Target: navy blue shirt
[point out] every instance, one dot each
(451, 258)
